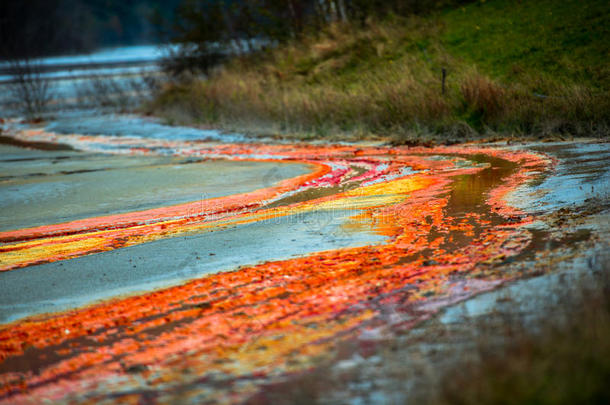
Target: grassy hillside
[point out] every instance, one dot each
(514, 68)
(567, 39)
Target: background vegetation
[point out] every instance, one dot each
(524, 68)
(35, 28)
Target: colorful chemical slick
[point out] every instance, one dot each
(221, 337)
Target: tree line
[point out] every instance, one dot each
(205, 30)
(34, 28)
(208, 30)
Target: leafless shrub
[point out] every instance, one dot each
(118, 93)
(29, 89)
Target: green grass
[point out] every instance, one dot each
(567, 39)
(515, 68)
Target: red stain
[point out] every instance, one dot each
(275, 317)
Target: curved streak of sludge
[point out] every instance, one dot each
(257, 323)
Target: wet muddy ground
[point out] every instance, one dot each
(151, 268)
(41, 188)
(414, 366)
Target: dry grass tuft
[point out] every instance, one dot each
(484, 96)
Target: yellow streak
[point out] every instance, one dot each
(63, 247)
